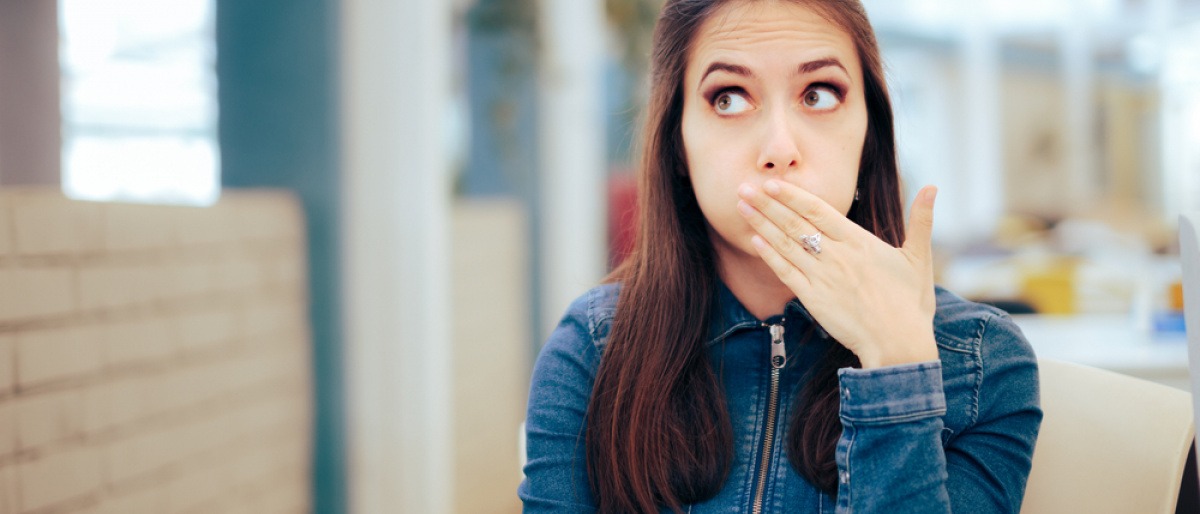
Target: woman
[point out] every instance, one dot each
(775, 342)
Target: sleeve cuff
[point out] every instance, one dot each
(893, 394)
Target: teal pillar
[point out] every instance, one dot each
(277, 64)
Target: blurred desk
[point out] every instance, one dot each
(1111, 342)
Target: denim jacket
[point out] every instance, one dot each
(953, 435)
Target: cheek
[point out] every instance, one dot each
(705, 142)
(842, 198)
(715, 186)
(715, 177)
(832, 174)
(712, 164)
(843, 164)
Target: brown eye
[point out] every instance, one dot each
(723, 102)
(730, 103)
(812, 98)
(821, 99)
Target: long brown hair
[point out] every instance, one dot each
(658, 433)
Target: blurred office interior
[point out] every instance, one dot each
(384, 207)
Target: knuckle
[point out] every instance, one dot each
(788, 274)
(812, 212)
(777, 263)
(792, 227)
(788, 245)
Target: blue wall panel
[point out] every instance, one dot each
(277, 67)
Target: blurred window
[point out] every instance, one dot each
(139, 104)
(1181, 119)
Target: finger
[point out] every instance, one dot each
(817, 211)
(781, 215)
(790, 275)
(783, 244)
(919, 235)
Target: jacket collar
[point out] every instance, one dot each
(729, 315)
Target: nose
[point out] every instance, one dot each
(779, 152)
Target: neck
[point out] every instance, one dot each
(751, 281)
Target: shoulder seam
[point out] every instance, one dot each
(984, 322)
(596, 317)
(591, 315)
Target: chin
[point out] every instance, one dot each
(737, 245)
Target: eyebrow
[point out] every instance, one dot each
(827, 62)
(731, 68)
(804, 68)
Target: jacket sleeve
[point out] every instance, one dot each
(989, 463)
(560, 388)
(891, 456)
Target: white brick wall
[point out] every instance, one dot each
(8, 490)
(143, 341)
(8, 365)
(8, 430)
(57, 354)
(136, 227)
(153, 359)
(48, 418)
(44, 224)
(57, 477)
(6, 247)
(35, 292)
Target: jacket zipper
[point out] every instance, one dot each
(778, 359)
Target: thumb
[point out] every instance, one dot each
(920, 223)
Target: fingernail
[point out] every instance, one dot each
(746, 191)
(771, 187)
(927, 195)
(758, 241)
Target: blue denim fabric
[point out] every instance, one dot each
(954, 435)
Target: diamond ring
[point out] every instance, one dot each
(812, 243)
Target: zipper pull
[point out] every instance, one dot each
(778, 352)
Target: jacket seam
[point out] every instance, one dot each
(591, 315)
(953, 348)
(581, 437)
(849, 475)
(978, 357)
(897, 418)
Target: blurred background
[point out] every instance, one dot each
(299, 256)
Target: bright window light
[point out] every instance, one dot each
(1180, 81)
(948, 17)
(139, 105)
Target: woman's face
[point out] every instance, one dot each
(771, 90)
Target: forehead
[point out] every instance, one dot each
(770, 29)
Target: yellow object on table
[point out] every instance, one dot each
(1175, 296)
(1050, 286)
